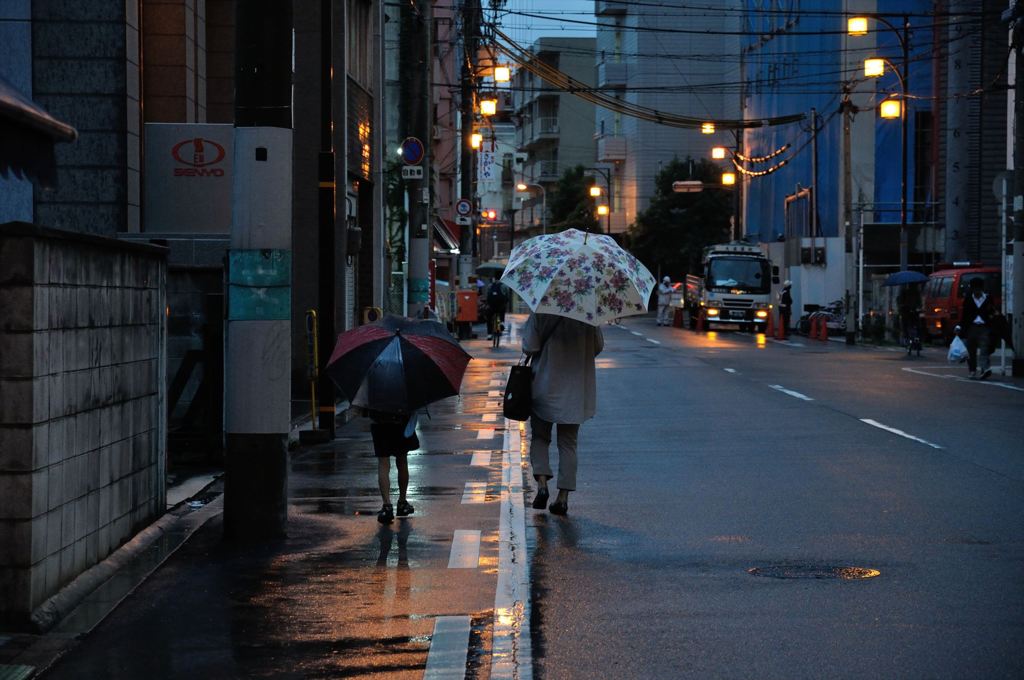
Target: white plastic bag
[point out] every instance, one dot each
(957, 351)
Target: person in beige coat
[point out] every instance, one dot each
(564, 396)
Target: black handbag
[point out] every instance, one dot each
(518, 402)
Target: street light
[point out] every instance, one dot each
(728, 178)
(707, 128)
(718, 153)
(502, 74)
(488, 107)
(603, 210)
(856, 26)
(523, 186)
(890, 108)
(595, 191)
(475, 140)
(608, 186)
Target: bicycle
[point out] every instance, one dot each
(495, 328)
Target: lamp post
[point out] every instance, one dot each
(730, 179)
(857, 26)
(608, 187)
(523, 186)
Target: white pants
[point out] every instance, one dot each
(663, 315)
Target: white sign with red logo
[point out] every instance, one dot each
(187, 178)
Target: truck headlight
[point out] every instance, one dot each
(712, 311)
(762, 314)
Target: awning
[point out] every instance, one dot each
(27, 136)
(446, 237)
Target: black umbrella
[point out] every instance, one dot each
(397, 365)
(904, 277)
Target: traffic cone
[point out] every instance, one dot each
(780, 330)
(822, 329)
(700, 322)
(769, 330)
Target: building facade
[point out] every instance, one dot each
(555, 129)
(680, 60)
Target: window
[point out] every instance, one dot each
(360, 62)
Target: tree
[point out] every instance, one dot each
(670, 236)
(570, 203)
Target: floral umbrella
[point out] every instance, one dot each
(582, 276)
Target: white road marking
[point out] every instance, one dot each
(656, 342)
(490, 417)
(791, 393)
(788, 343)
(511, 654)
(636, 333)
(960, 378)
(494, 383)
(494, 393)
(486, 433)
(492, 404)
(875, 423)
(481, 459)
(449, 647)
(465, 549)
(475, 492)
(729, 370)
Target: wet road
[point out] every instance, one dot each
(711, 456)
(716, 454)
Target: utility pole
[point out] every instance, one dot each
(257, 375)
(1016, 15)
(850, 266)
(326, 394)
(414, 112)
(467, 169)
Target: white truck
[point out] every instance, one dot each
(735, 287)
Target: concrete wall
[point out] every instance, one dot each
(82, 405)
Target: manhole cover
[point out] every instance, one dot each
(809, 571)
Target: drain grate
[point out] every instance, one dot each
(792, 571)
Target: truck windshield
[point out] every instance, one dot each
(746, 274)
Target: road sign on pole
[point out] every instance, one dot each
(464, 207)
(412, 151)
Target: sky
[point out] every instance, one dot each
(525, 30)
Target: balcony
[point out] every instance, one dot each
(605, 7)
(612, 74)
(540, 130)
(547, 171)
(611, 148)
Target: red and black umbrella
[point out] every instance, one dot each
(397, 365)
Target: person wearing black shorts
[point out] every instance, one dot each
(391, 439)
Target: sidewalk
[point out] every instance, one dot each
(341, 595)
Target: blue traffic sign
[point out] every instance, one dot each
(412, 151)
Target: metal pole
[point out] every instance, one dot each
(326, 322)
(543, 210)
(1017, 311)
(903, 143)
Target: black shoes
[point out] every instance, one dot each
(386, 514)
(985, 374)
(557, 508)
(540, 501)
(404, 508)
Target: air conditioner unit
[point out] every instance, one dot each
(371, 314)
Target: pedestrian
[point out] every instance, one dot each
(785, 307)
(496, 303)
(909, 306)
(564, 396)
(664, 300)
(394, 436)
(976, 319)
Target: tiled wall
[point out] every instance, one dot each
(82, 405)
